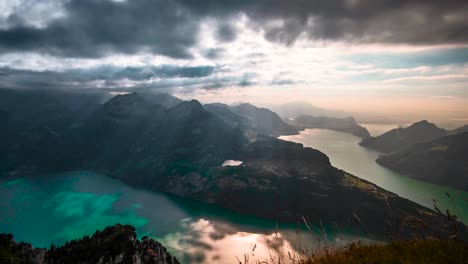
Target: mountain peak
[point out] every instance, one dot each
(423, 124)
(125, 104)
(187, 108)
(246, 106)
(125, 99)
(165, 100)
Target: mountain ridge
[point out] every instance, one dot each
(440, 161)
(399, 138)
(181, 150)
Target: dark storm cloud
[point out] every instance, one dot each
(117, 79)
(369, 21)
(144, 73)
(213, 53)
(226, 32)
(94, 28)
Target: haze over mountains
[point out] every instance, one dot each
(180, 150)
(347, 124)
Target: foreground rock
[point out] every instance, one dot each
(441, 161)
(116, 244)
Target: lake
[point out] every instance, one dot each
(345, 153)
(49, 209)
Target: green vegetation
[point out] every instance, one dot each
(407, 252)
(439, 148)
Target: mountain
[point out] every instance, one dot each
(459, 130)
(295, 109)
(284, 181)
(129, 136)
(264, 121)
(226, 113)
(252, 120)
(441, 161)
(165, 100)
(115, 244)
(180, 151)
(347, 125)
(401, 138)
(122, 135)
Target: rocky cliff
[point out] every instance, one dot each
(114, 245)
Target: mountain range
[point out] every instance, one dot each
(346, 124)
(441, 161)
(404, 137)
(426, 152)
(179, 148)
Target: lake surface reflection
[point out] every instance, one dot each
(49, 209)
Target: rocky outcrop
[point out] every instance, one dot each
(114, 245)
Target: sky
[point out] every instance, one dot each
(399, 59)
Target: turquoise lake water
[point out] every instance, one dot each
(345, 153)
(49, 209)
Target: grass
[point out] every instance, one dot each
(426, 249)
(439, 148)
(404, 252)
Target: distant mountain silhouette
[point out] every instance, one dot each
(401, 138)
(296, 109)
(252, 120)
(165, 100)
(459, 130)
(348, 124)
(441, 161)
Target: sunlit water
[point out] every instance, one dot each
(345, 153)
(49, 209)
(231, 163)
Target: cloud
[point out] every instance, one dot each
(368, 21)
(226, 32)
(430, 79)
(213, 53)
(120, 79)
(89, 28)
(98, 28)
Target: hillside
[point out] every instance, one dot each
(441, 161)
(347, 125)
(115, 244)
(252, 120)
(180, 151)
(401, 138)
